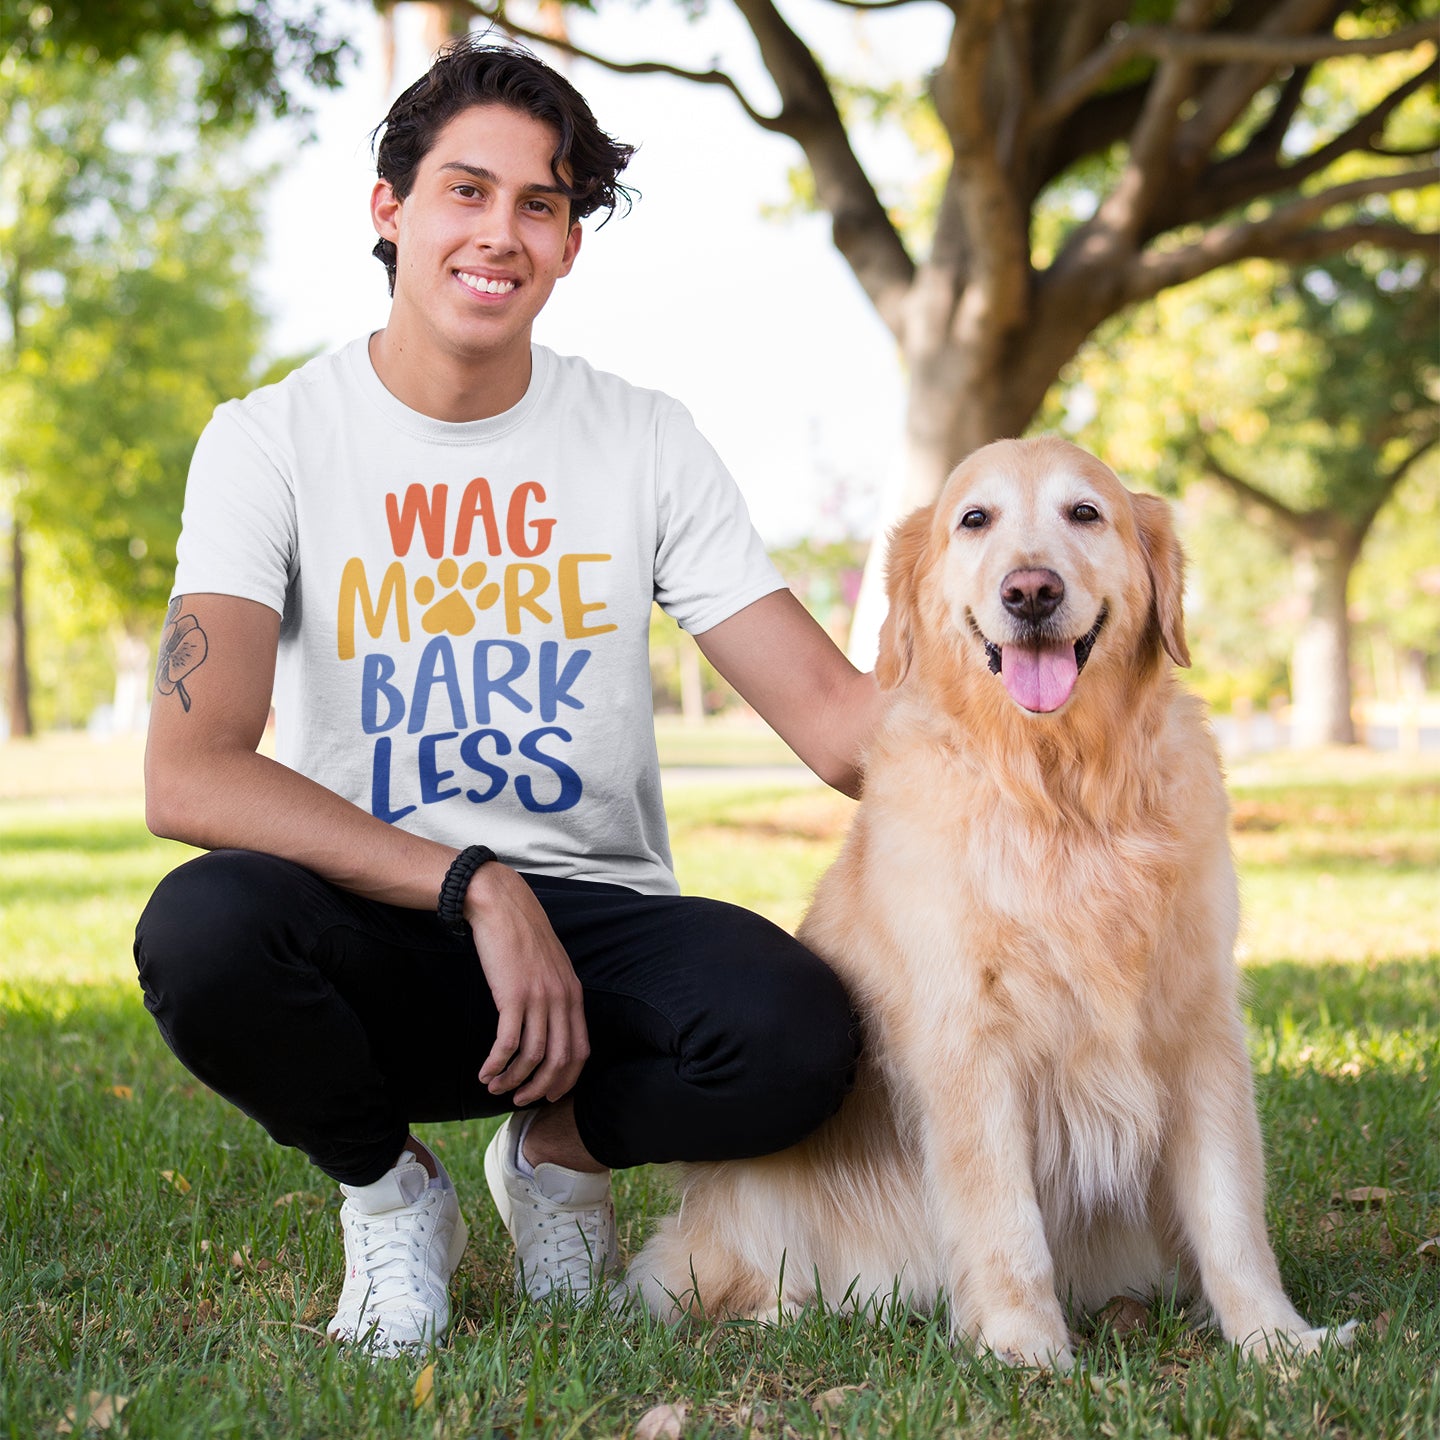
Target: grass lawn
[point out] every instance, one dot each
(165, 1270)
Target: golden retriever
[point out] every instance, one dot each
(1035, 911)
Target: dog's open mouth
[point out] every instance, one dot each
(1040, 676)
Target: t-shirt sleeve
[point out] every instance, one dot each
(709, 560)
(238, 531)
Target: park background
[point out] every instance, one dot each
(167, 239)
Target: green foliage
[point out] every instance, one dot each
(1312, 387)
(71, 630)
(250, 51)
(124, 254)
(1240, 615)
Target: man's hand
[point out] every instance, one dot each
(540, 1041)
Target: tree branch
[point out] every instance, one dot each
(1247, 183)
(1284, 234)
(1296, 523)
(1251, 494)
(497, 14)
(1390, 482)
(862, 230)
(1149, 173)
(1229, 89)
(1129, 43)
(978, 233)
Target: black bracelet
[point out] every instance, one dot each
(450, 907)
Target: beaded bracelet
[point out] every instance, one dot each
(450, 907)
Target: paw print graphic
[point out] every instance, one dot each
(453, 613)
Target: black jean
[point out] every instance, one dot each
(337, 1022)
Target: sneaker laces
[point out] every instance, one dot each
(389, 1249)
(574, 1238)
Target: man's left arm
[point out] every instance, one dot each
(792, 673)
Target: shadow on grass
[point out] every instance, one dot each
(1383, 995)
(83, 834)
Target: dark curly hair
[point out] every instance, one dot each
(475, 70)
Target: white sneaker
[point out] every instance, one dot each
(562, 1221)
(404, 1236)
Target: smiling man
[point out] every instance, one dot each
(451, 895)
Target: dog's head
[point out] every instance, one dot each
(1034, 563)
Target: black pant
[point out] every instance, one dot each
(337, 1022)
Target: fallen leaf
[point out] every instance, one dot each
(1430, 1248)
(123, 1092)
(1102, 1386)
(177, 1180)
(662, 1422)
(299, 1197)
(1364, 1197)
(1124, 1314)
(833, 1399)
(98, 1412)
(1381, 1326)
(423, 1392)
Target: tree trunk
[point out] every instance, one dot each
(134, 680)
(950, 410)
(18, 700)
(692, 681)
(1320, 689)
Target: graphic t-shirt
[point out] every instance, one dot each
(465, 608)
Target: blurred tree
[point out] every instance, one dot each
(1396, 596)
(1095, 153)
(1307, 396)
(251, 53)
(123, 251)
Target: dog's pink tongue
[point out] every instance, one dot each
(1039, 679)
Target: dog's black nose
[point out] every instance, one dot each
(1032, 595)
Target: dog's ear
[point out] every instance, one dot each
(897, 633)
(1167, 572)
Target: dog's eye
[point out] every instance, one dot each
(974, 520)
(1085, 514)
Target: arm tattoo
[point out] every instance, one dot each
(183, 648)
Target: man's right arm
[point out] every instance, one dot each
(207, 784)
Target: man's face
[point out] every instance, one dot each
(483, 235)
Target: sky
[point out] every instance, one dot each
(756, 324)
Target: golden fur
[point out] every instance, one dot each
(1035, 913)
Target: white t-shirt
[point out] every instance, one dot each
(464, 641)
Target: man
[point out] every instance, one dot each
(451, 895)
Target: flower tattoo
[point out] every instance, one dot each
(183, 648)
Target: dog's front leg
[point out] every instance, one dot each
(1215, 1179)
(995, 1263)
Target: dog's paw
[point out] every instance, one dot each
(1028, 1337)
(1029, 1350)
(1036, 1357)
(1291, 1344)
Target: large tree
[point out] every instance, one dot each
(1179, 136)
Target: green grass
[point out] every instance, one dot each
(157, 1247)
